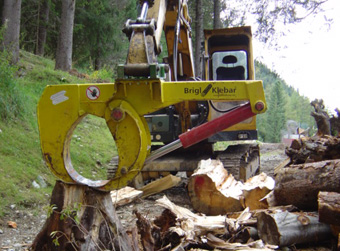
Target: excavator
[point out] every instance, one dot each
(161, 116)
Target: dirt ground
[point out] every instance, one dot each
(30, 221)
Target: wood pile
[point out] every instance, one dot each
(180, 229)
(255, 215)
(313, 149)
(259, 214)
(311, 182)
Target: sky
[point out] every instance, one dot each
(309, 57)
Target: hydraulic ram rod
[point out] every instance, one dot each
(204, 131)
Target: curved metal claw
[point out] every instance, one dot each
(60, 110)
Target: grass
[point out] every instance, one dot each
(92, 148)
(21, 161)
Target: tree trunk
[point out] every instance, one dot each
(198, 39)
(42, 28)
(299, 185)
(64, 48)
(213, 191)
(11, 19)
(217, 14)
(82, 219)
(285, 229)
(329, 207)
(321, 117)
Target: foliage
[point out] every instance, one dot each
(92, 136)
(296, 107)
(269, 18)
(20, 153)
(12, 102)
(276, 113)
(68, 213)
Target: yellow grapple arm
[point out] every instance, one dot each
(122, 105)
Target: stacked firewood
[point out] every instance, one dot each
(312, 180)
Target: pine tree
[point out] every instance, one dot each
(276, 114)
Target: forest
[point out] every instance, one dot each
(57, 42)
(87, 36)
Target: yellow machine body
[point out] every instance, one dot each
(122, 104)
(230, 40)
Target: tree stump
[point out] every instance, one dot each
(82, 218)
(321, 117)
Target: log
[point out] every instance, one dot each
(160, 185)
(125, 196)
(299, 185)
(285, 229)
(314, 149)
(82, 219)
(213, 191)
(329, 207)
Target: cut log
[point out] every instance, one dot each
(285, 229)
(160, 185)
(299, 185)
(213, 191)
(125, 196)
(82, 219)
(329, 207)
(256, 189)
(314, 149)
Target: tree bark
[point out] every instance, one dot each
(11, 19)
(217, 14)
(299, 185)
(64, 48)
(198, 39)
(329, 207)
(83, 219)
(285, 229)
(321, 117)
(42, 28)
(314, 149)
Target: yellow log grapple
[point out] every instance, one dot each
(123, 105)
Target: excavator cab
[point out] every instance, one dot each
(229, 56)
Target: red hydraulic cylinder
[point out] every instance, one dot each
(204, 131)
(212, 127)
